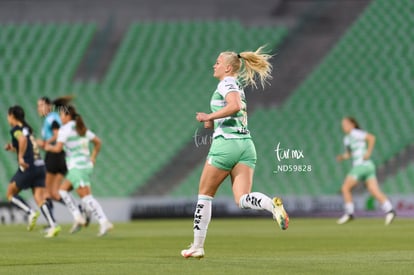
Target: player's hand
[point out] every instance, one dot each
(41, 143)
(367, 156)
(93, 161)
(339, 158)
(46, 147)
(8, 147)
(202, 117)
(23, 165)
(209, 124)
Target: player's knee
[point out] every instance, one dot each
(10, 193)
(83, 191)
(55, 196)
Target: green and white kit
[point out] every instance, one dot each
(232, 141)
(355, 143)
(78, 158)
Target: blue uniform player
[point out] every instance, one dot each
(55, 162)
(31, 171)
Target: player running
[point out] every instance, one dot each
(31, 172)
(359, 145)
(74, 138)
(232, 151)
(54, 162)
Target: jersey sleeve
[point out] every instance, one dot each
(52, 121)
(347, 144)
(228, 85)
(358, 134)
(55, 125)
(62, 135)
(90, 135)
(346, 141)
(17, 133)
(26, 131)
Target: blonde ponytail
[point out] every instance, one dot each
(256, 66)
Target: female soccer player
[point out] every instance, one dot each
(359, 145)
(31, 172)
(54, 162)
(74, 137)
(232, 151)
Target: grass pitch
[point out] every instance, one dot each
(233, 246)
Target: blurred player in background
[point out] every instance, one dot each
(232, 151)
(359, 145)
(55, 162)
(31, 172)
(74, 138)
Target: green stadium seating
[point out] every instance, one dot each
(37, 60)
(161, 75)
(402, 182)
(143, 109)
(368, 75)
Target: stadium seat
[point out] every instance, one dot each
(367, 75)
(37, 60)
(143, 108)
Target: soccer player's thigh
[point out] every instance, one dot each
(242, 172)
(219, 162)
(20, 181)
(84, 188)
(351, 180)
(12, 190)
(38, 185)
(370, 178)
(210, 179)
(373, 187)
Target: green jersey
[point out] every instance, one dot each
(76, 146)
(234, 126)
(355, 143)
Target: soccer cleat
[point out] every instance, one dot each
(53, 231)
(32, 219)
(345, 218)
(105, 228)
(279, 213)
(389, 217)
(46, 228)
(193, 252)
(77, 225)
